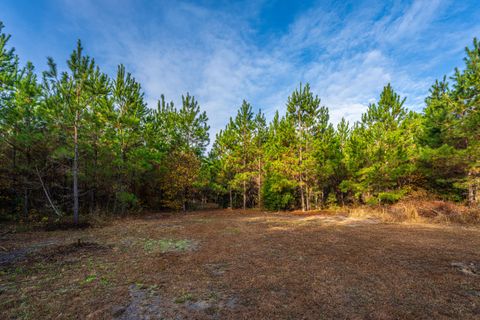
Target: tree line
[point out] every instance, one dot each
(301, 161)
(81, 141)
(78, 140)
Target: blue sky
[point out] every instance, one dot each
(226, 51)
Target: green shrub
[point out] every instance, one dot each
(332, 200)
(127, 199)
(390, 197)
(372, 201)
(278, 192)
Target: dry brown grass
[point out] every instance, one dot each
(245, 265)
(420, 211)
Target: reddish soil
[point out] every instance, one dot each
(243, 265)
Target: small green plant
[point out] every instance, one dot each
(104, 281)
(184, 298)
(127, 199)
(90, 278)
(372, 201)
(332, 200)
(391, 197)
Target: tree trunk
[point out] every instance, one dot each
(26, 191)
(25, 204)
(184, 200)
(14, 180)
(46, 194)
(308, 199)
(244, 182)
(307, 189)
(114, 203)
(244, 195)
(471, 197)
(302, 195)
(473, 188)
(260, 205)
(231, 199)
(93, 195)
(75, 170)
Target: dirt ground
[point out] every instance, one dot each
(242, 265)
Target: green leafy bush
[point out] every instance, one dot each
(127, 199)
(278, 192)
(332, 200)
(390, 197)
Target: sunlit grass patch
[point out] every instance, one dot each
(168, 245)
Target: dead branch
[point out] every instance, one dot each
(58, 213)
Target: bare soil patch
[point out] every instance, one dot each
(243, 265)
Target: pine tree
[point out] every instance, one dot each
(192, 126)
(73, 93)
(466, 95)
(323, 161)
(303, 110)
(451, 153)
(279, 189)
(243, 128)
(26, 133)
(223, 153)
(96, 144)
(8, 76)
(259, 140)
(382, 146)
(339, 159)
(130, 112)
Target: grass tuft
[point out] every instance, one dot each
(184, 298)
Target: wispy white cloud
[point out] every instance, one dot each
(415, 19)
(347, 55)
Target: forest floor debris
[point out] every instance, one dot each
(8, 257)
(471, 269)
(143, 304)
(168, 245)
(230, 264)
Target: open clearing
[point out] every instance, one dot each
(242, 265)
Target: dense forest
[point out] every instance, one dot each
(80, 141)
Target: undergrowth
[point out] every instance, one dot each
(436, 211)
